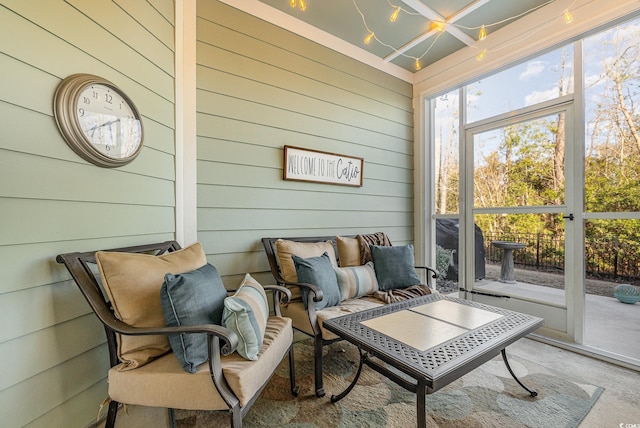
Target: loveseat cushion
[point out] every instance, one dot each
(246, 313)
(285, 249)
(347, 307)
(132, 282)
(192, 298)
(356, 281)
(163, 381)
(394, 266)
(348, 251)
(319, 272)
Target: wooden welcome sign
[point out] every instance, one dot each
(322, 167)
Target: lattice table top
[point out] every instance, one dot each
(431, 336)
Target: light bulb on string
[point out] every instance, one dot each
(394, 15)
(568, 17)
(483, 33)
(292, 3)
(367, 39)
(481, 55)
(417, 64)
(303, 5)
(437, 26)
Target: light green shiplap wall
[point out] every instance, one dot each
(260, 88)
(53, 359)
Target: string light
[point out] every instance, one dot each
(302, 4)
(568, 17)
(483, 33)
(437, 26)
(394, 15)
(367, 39)
(440, 27)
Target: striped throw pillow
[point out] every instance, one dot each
(356, 281)
(246, 313)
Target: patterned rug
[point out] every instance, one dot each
(486, 397)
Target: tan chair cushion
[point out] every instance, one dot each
(132, 282)
(346, 307)
(348, 251)
(164, 383)
(300, 317)
(285, 249)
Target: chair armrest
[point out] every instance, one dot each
(434, 274)
(317, 293)
(284, 292)
(229, 337)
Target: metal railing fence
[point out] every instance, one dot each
(607, 257)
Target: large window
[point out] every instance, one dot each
(526, 160)
(540, 79)
(612, 115)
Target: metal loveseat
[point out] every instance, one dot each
(348, 252)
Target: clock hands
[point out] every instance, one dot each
(95, 128)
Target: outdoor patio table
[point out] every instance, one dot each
(425, 343)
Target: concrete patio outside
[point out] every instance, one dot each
(610, 325)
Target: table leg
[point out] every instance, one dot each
(506, 362)
(336, 398)
(421, 397)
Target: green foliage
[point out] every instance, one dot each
(443, 261)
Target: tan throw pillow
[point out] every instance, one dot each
(286, 249)
(132, 282)
(348, 251)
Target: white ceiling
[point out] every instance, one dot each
(344, 24)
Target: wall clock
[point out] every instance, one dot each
(98, 120)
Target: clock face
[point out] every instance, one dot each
(108, 121)
(97, 120)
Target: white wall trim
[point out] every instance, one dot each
(301, 28)
(185, 118)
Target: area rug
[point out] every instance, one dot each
(486, 397)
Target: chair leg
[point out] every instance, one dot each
(317, 341)
(236, 417)
(171, 413)
(295, 390)
(111, 415)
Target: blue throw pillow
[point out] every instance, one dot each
(394, 266)
(318, 271)
(192, 298)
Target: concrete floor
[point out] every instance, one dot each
(610, 326)
(619, 404)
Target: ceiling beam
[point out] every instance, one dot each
(432, 15)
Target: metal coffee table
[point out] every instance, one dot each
(433, 340)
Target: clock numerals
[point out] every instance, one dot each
(108, 98)
(81, 112)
